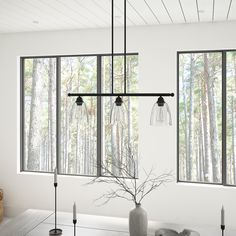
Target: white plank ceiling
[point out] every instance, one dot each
(44, 15)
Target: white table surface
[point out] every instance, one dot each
(39, 222)
(103, 225)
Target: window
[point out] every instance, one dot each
(50, 132)
(206, 117)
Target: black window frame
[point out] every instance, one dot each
(58, 96)
(224, 116)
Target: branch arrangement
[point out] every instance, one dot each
(128, 186)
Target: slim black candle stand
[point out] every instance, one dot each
(222, 229)
(55, 231)
(74, 222)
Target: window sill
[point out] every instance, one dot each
(46, 174)
(204, 185)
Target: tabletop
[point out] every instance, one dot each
(38, 223)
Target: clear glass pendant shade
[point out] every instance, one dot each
(81, 112)
(118, 113)
(160, 115)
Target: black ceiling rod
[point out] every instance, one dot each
(125, 49)
(112, 46)
(120, 94)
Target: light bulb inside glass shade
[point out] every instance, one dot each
(118, 113)
(81, 112)
(160, 115)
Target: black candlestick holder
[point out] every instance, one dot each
(55, 231)
(222, 229)
(74, 222)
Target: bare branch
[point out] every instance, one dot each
(126, 182)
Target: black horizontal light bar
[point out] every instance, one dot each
(120, 94)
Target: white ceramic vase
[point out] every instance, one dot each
(138, 222)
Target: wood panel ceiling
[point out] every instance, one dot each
(44, 15)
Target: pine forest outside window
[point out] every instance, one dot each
(207, 117)
(52, 135)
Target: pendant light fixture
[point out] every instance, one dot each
(118, 113)
(160, 115)
(81, 111)
(160, 111)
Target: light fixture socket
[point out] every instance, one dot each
(79, 101)
(160, 101)
(118, 101)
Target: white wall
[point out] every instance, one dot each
(157, 46)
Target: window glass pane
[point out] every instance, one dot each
(115, 139)
(200, 117)
(39, 114)
(231, 118)
(78, 139)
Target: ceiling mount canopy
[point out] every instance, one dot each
(118, 112)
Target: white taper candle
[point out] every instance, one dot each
(74, 211)
(222, 216)
(55, 175)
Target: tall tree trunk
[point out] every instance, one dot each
(68, 115)
(201, 145)
(52, 111)
(113, 129)
(35, 115)
(205, 125)
(197, 156)
(233, 117)
(66, 148)
(200, 136)
(63, 135)
(213, 122)
(130, 122)
(78, 156)
(186, 153)
(234, 123)
(191, 121)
